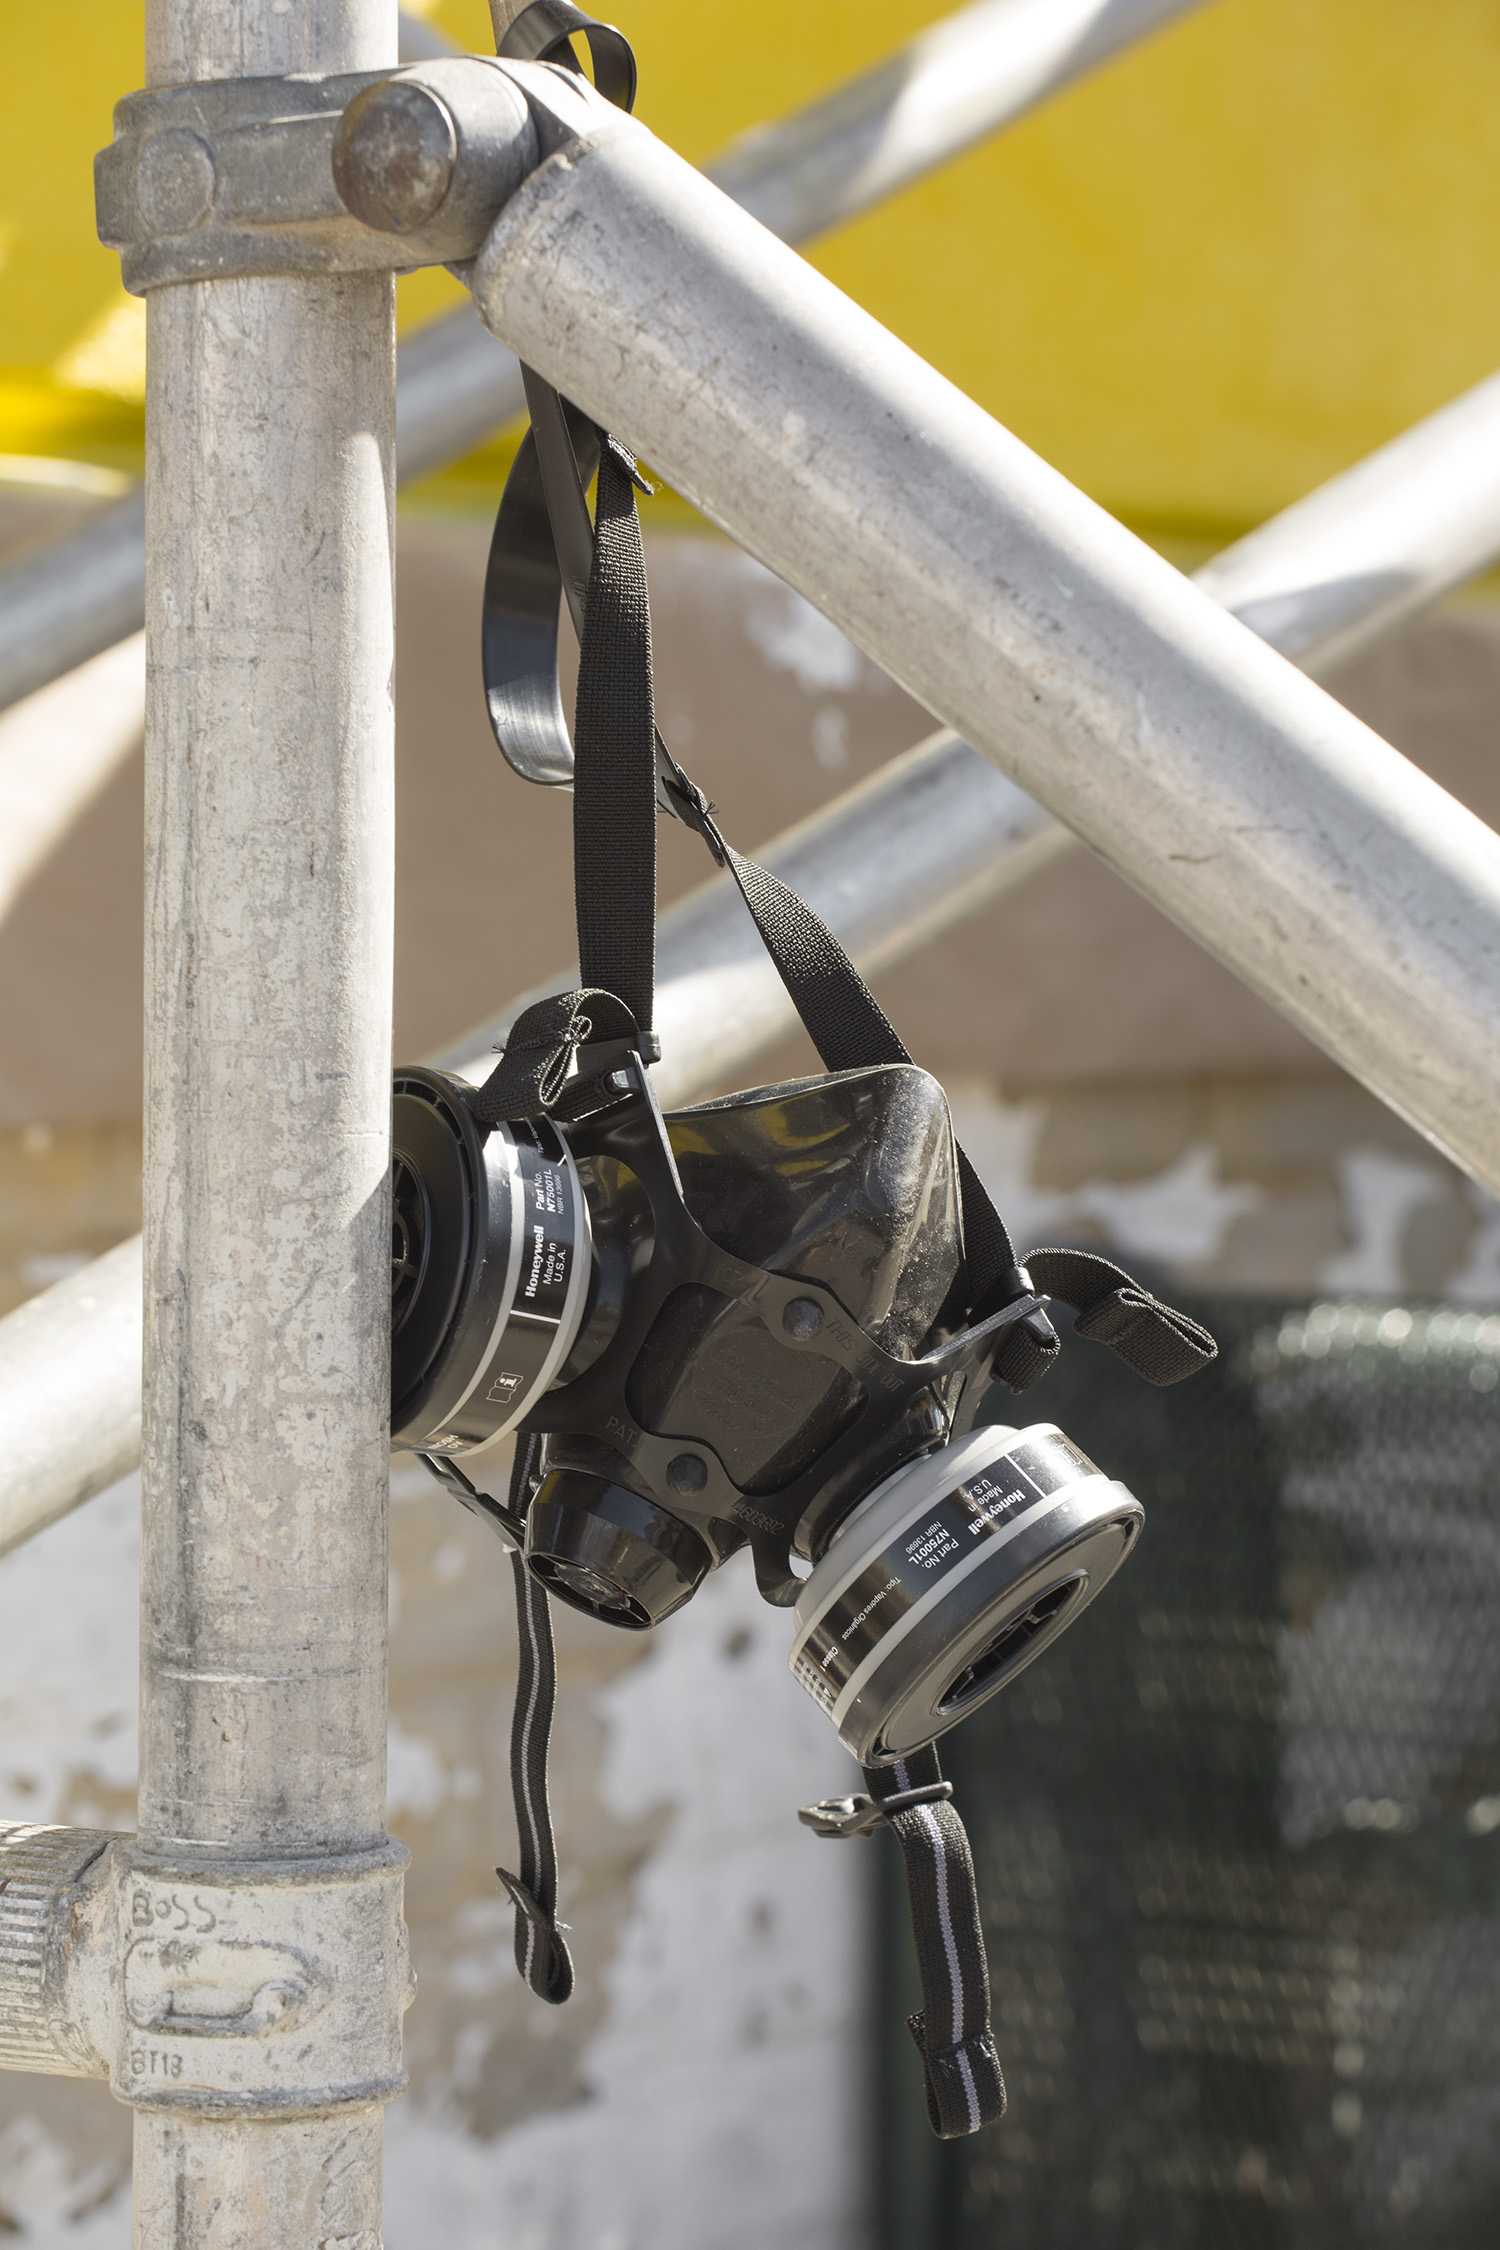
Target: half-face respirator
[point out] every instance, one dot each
(743, 1325)
(779, 1321)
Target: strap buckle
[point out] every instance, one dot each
(605, 1072)
(509, 1528)
(861, 1816)
(842, 1816)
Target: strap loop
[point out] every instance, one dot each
(1154, 1340)
(542, 1955)
(533, 1071)
(965, 2085)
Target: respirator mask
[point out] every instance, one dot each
(747, 1324)
(778, 1321)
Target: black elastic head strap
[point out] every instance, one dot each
(541, 1950)
(965, 2089)
(525, 584)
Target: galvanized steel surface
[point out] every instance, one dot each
(454, 386)
(344, 172)
(269, 857)
(1356, 558)
(70, 1393)
(50, 1880)
(76, 597)
(269, 882)
(58, 750)
(1318, 864)
(270, 852)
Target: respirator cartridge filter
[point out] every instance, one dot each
(491, 1262)
(948, 1581)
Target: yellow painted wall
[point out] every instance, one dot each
(1230, 264)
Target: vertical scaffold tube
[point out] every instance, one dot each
(270, 413)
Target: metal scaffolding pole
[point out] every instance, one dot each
(270, 411)
(82, 1337)
(58, 751)
(953, 84)
(1337, 571)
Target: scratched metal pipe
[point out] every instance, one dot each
(270, 842)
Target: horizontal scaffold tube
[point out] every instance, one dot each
(952, 85)
(1326, 871)
(1322, 582)
(959, 80)
(1337, 571)
(70, 1393)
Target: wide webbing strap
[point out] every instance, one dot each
(840, 1014)
(845, 1022)
(541, 1952)
(614, 749)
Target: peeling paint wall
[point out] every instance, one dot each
(704, 2091)
(705, 2097)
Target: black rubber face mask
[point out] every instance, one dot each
(765, 1322)
(745, 1324)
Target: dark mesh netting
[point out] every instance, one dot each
(1239, 1832)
